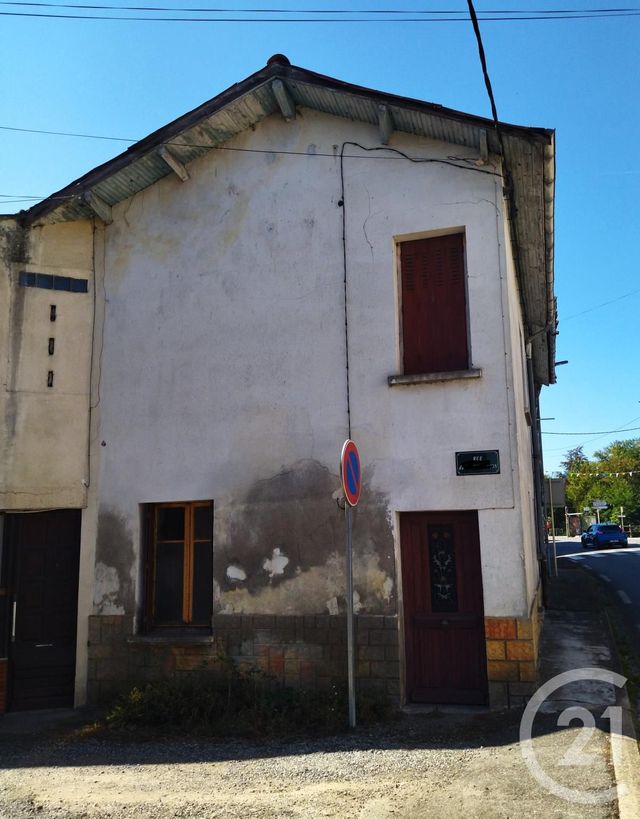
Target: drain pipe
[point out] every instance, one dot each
(538, 469)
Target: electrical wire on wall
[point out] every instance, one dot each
(60, 196)
(393, 152)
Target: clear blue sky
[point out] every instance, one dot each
(126, 78)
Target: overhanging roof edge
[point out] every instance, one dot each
(235, 92)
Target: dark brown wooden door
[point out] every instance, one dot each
(44, 554)
(443, 608)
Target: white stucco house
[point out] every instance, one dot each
(188, 334)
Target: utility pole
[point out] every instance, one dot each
(622, 517)
(553, 531)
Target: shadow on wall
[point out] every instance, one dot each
(283, 551)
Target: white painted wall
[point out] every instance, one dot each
(223, 356)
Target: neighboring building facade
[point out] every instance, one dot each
(190, 333)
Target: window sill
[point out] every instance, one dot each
(433, 378)
(172, 637)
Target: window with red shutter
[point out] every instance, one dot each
(434, 305)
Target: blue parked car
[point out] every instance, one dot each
(604, 534)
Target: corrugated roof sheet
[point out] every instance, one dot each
(529, 153)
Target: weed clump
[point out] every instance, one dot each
(239, 702)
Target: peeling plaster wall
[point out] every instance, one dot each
(114, 591)
(282, 549)
(223, 370)
(44, 431)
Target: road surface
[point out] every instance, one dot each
(618, 568)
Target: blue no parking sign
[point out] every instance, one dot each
(350, 472)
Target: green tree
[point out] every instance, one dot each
(580, 479)
(612, 475)
(620, 463)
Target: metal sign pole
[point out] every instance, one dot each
(350, 647)
(351, 477)
(553, 531)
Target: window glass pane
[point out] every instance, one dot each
(78, 285)
(442, 569)
(61, 283)
(169, 580)
(202, 522)
(171, 523)
(27, 279)
(202, 583)
(44, 280)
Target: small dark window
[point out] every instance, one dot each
(27, 280)
(44, 280)
(434, 305)
(179, 582)
(78, 285)
(48, 282)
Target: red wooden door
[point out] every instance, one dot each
(443, 608)
(44, 555)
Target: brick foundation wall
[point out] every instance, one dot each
(4, 673)
(512, 657)
(303, 651)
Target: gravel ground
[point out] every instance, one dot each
(443, 766)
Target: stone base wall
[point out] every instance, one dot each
(512, 657)
(303, 651)
(4, 673)
(307, 651)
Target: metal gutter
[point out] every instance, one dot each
(549, 222)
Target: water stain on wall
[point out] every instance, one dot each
(114, 590)
(284, 549)
(14, 244)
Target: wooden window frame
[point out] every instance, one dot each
(151, 512)
(462, 366)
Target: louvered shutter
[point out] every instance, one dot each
(434, 313)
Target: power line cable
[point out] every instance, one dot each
(12, 198)
(598, 437)
(454, 161)
(602, 304)
(388, 11)
(485, 71)
(67, 134)
(596, 432)
(486, 19)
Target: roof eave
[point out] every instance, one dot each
(73, 193)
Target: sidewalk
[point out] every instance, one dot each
(441, 765)
(576, 635)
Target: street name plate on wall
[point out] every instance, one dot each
(486, 462)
